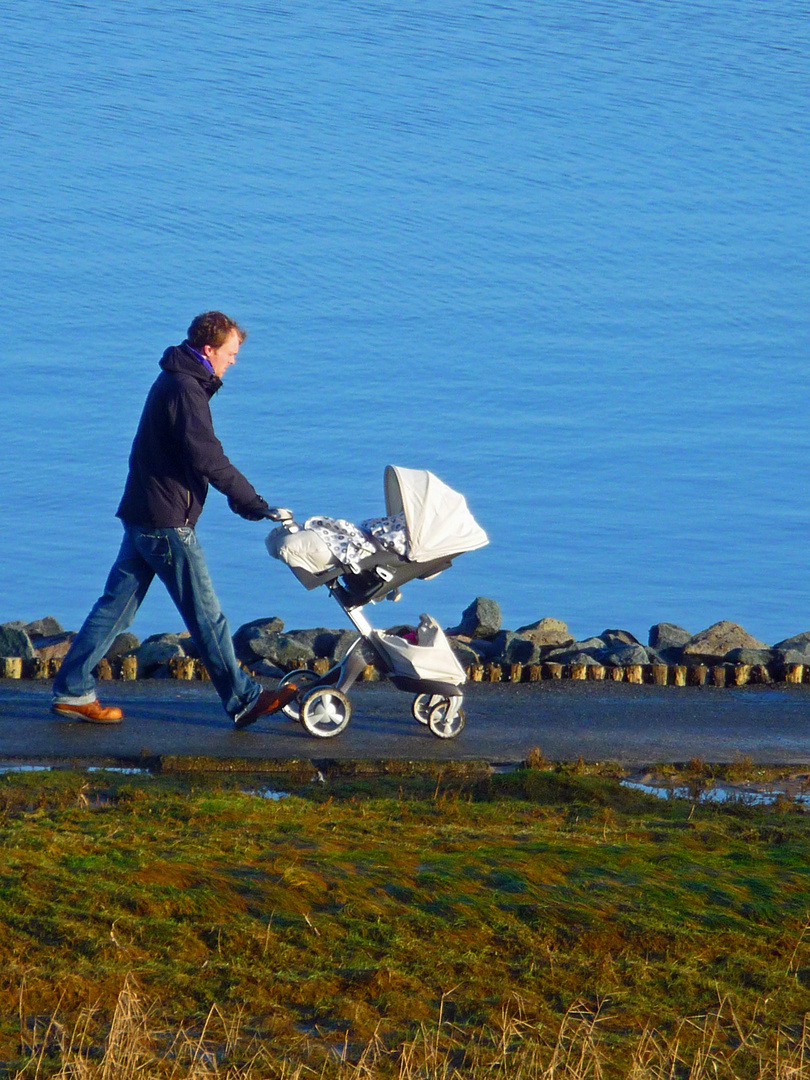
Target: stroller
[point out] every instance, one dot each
(426, 527)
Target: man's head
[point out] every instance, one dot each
(218, 338)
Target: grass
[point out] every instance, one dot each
(546, 922)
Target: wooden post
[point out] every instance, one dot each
(719, 675)
(679, 675)
(660, 674)
(615, 674)
(697, 675)
(181, 667)
(11, 667)
(515, 672)
(321, 665)
(370, 673)
(553, 671)
(103, 669)
(761, 674)
(53, 665)
(201, 671)
(633, 673)
(741, 674)
(129, 667)
(596, 672)
(476, 672)
(535, 672)
(493, 673)
(579, 671)
(794, 673)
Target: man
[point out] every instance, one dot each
(175, 456)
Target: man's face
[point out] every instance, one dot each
(221, 359)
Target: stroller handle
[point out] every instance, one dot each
(278, 513)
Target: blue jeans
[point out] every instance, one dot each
(177, 559)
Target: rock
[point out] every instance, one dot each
(622, 653)
(265, 669)
(482, 619)
(158, 650)
(512, 648)
(668, 640)
(47, 627)
(547, 632)
(14, 641)
(122, 645)
(248, 631)
(712, 645)
(794, 650)
(591, 647)
(618, 637)
(755, 656)
(464, 652)
(53, 647)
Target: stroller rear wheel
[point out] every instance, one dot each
(446, 718)
(325, 711)
(303, 679)
(422, 704)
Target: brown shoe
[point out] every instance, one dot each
(93, 712)
(268, 701)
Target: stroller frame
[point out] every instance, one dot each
(320, 702)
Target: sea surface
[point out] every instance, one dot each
(556, 252)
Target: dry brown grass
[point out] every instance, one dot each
(713, 1046)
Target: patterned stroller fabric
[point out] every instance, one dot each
(349, 544)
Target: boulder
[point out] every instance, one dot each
(547, 632)
(618, 637)
(668, 641)
(756, 656)
(14, 641)
(623, 653)
(794, 650)
(712, 645)
(592, 647)
(122, 645)
(157, 651)
(512, 648)
(47, 627)
(482, 619)
(464, 653)
(265, 669)
(53, 647)
(251, 630)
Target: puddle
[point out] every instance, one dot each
(120, 770)
(25, 768)
(268, 793)
(721, 793)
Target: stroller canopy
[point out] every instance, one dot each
(438, 519)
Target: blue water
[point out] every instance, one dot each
(558, 253)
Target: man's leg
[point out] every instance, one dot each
(178, 560)
(112, 613)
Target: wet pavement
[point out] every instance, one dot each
(628, 724)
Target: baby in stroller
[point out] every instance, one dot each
(426, 526)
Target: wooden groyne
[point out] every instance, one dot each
(720, 675)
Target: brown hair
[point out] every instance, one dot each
(212, 328)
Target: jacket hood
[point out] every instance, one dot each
(179, 359)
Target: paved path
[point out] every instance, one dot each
(633, 725)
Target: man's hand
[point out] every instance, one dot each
(258, 510)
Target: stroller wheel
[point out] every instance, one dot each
(422, 704)
(303, 679)
(447, 719)
(325, 712)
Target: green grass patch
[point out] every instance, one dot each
(398, 926)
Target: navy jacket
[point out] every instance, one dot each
(176, 454)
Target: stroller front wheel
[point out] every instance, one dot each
(302, 678)
(447, 719)
(325, 711)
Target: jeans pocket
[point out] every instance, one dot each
(186, 535)
(155, 547)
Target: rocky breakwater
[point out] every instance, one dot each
(723, 654)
